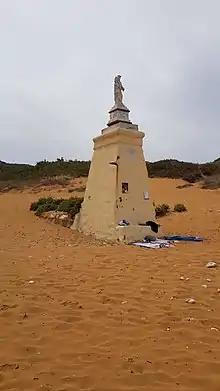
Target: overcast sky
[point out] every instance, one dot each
(58, 59)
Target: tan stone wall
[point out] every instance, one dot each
(98, 210)
(104, 203)
(132, 170)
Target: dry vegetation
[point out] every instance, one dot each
(60, 172)
(211, 183)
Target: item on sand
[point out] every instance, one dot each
(190, 300)
(149, 238)
(146, 196)
(157, 243)
(123, 223)
(211, 264)
(146, 245)
(154, 226)
(184, 238)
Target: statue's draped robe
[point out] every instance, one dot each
(118, 88)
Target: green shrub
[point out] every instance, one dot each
(179, 208)
(48, 203)
(162, 210)
(43, 208)
(71, 206)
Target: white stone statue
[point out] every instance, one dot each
(118, 89)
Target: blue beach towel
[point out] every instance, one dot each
(184, 238)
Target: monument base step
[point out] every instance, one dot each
(132, 233)
(118, 234)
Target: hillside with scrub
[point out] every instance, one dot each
(13, 175)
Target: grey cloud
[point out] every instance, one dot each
(58, 60)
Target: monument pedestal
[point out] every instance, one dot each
(117, 188)
(117, 204)
(119, 113)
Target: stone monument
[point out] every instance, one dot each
(117, 205)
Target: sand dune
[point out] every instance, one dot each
(109, 318)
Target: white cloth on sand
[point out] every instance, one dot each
(158, 243)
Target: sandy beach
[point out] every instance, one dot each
(78, 315)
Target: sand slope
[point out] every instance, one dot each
(109, 318)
